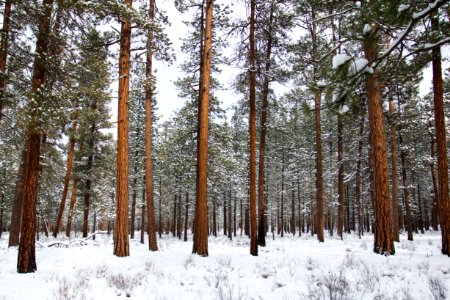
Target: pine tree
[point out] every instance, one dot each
(121, 242)
(26, 261)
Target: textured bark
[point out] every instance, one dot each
(160, 226)
(358, 180)
(3, 54)
(383, 242)
(26, 261)
(435, 185)
(262, 141)
(121, 241)
(151, 227)
(16, 213)
(340, 178)
(186, 215)
(394, 165)
(87, 190)
(281, 226)
(200, 245)
(293, 223)
(252, 129)
(73, 199)
(409, 222)
(230, 231)
(174, 215)
(441, 143)
(70, 156)
(225, 223)
(319, 218)
(133, 206)
(214, 225)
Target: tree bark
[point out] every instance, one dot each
(441, 143)
(200, 245)
(395, 216)
(3, 54)
(358, 179)
(87, 191)
(121, 240)
(70, 156)
(340, 177)
(73, 199)
(383, 242)
(318, 228)
(26, 261)
(186, 215)
(262, 143)
(409, 222)
(16, 213)
(151, 227)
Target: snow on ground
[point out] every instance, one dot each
(288, 268)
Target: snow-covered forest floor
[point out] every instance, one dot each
(288, 268)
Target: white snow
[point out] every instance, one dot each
(402, 8)
(359, 65)
(425, 11)
(343, 109)
(322, 83)
(367, 29)
(340, 59)
(288, 268)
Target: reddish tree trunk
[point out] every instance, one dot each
(16, 213)
(395, 216)
(200, 245)
(121, 240)
(340, 178)
(151, 227)
(66, 179)
(26, 261)
(3, 54)
(441, 143)
(383, 242)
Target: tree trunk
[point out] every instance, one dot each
(319, 171)
(160, 226)
(73, 199)
(3, 54)
(174, 216)
(441, 143)
(26, 261)
(293, 223)
(435, 185)
(395, 215)
(70, 156)
(409, 222)
(358, 179)
(230, 231)
(16, 213)
(383, 242)
(186, 215)
(281, 227)
(252, 133)
(87, 192)
(200, 245)
(133, 205)
(121, 240)
(143, 218)
(262, 144)
(214, 226)
(340, 177)
(151, 227)
(420, 212)
(225, 223)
